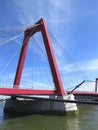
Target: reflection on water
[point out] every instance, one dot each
(40, 122)
(87, 119)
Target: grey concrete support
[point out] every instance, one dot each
(41, 106)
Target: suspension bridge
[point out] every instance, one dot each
(59, 93)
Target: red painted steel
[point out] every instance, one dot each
(17, 91)
(52, 61)
(83, 93)
(40, 26)
(21, 62)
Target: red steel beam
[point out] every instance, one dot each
(52, 61)
(21, 62)
(17, 91)
(82, 93)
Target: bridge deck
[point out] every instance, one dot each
(84, 93)
(16, 91)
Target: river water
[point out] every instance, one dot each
(86, 119)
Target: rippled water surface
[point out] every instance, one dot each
(86, 119)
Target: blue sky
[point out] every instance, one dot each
(73, 28)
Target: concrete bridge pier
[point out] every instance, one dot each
(41, 106)
(63, 106)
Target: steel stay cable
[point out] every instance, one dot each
(67, 79)
(7, 33)
(43, 56)
(14, 54)
(9, 61)
(22, 33)
(63, 49)
(61, 46)
(43, 53)
(13, 28)
(69, 69)
(47, 63)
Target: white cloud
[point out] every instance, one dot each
(89, 65)
(56, 12)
